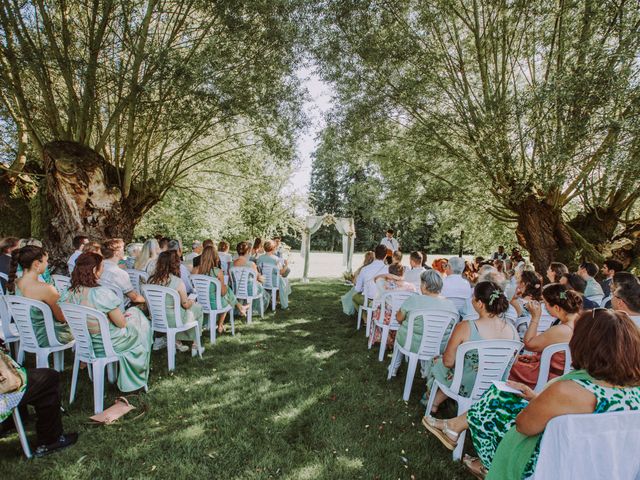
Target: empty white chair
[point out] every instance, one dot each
(77, 317)
(494, 358)
(202, 285)
(4, 277)
(545, 363)
(137, 277)
(272, 279)
(394, 301)
(156, 297)
(245, 280)
(597, 445)
(9, 332)
(61, 282)
(20, 308)
(435, 325)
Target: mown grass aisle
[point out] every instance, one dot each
(294, 396)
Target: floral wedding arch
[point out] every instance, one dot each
(345, 227)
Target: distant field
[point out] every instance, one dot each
(329, 264)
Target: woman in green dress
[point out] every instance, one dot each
(130, 331)
(506, 428)
(210, 265)
(490, 303)
(243, 261)
(269, 258)
(167, 274)
(33, 261)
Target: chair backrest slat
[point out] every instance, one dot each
(241, 279)
(202, 285)
(394, 299)
(5, 319)
(20, 308)
(61, 282)
(545, 362)
(156, 297)
(271, 276)
(137, 277)
(77, 317)
(435, 323)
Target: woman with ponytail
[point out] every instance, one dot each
(563, 304)
(33, 261)
(490, 303)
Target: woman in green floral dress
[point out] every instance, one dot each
(270, 259)
(506, 428)
(167, 274)
(244, 261)
(130, 331)
(210, 265)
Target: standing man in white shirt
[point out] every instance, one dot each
(390, 243)
(413, 275)
(364, 283)
(79, 241)
(113, 251)
(454, 285)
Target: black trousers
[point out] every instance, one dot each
(43, 393)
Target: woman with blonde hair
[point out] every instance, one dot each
(347, 299)
(148, 256)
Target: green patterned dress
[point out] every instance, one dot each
(491, 417)
(283, 285)
(62, 330)
(193, 313)
(132, 343)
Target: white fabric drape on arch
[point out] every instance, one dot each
(312, 225)
(345, 227)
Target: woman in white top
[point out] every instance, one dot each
(148, 257)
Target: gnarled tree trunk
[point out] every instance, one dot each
(79, 197)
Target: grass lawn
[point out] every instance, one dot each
(296, 395)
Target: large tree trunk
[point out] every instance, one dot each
(543, 233)
(78, 197)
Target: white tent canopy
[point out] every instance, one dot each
(345, 227)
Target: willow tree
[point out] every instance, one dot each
(117, 100)
(537, 102)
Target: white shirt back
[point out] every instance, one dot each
(413, 276)
(390, 243)
(456, 286)
(364, 283)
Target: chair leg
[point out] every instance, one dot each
(98, 387)
(372, 333)
(213, 327)
(198, 343)
(411, 372)
(262, 307)
(274, 295)
(396, 360)
(42, 360)
(20, 358)
(21, 433)
(383, 343)
(112, 372)
(233, 323)
(58, 360)
(457, 452)
(249, 312)
(359, 321)
(171, 350)
(432, 397)
(74, 379)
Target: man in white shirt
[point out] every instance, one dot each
(413, 275)
(196, 250)
(500, 254)
(184, 272)
(627, 299)
(79, 241)
(587, 271)
(389, 242)
(454, 284)
(364, 283)
(113, 252)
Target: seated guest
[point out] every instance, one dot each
(133, 252)
(7, 245)
(40, 388)
(440, 265)
(112, 252)
(243, 250)
(364, 282)
(256, 250)
(529, 288)
(223, 252)
(609, 269)
(347, 298)
(499, 265)
(430, 287)
(92, 247)
(555, 271)
(414, 273)
(490, 304)
(196, 250)
(130, 331)
(392, 281)
(575, 282)
(506, 428)
(33, 261)
(560, 303)
(500, 254)
(146, 261)
(210, 265)
(396, 257)
(167, 274)
(626, 298)
(624, 278)
(278, 246)
(163, 243)
(79, 241)
(207, 243)
(454, 285)
(184, 272)
(269, 258)
(587, 271)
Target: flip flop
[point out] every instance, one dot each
(443, 434)
(475, 466)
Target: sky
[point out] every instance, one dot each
(317, 104)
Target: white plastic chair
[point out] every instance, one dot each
(395, 300)
(4, 277)
(369, 308)
(225, 271)
(545, 363)
(202, 285)
(272, 278)
(435, 325)
(605, 300)
(587, 446)
(241, 279)
(61, 282)
(77, 317)
(20, 308)
(156, 297)
(118, 291)
(9, 332)
(460, 303)
(522, 323)
(494, 358)
(21, 433)
(137, 277)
